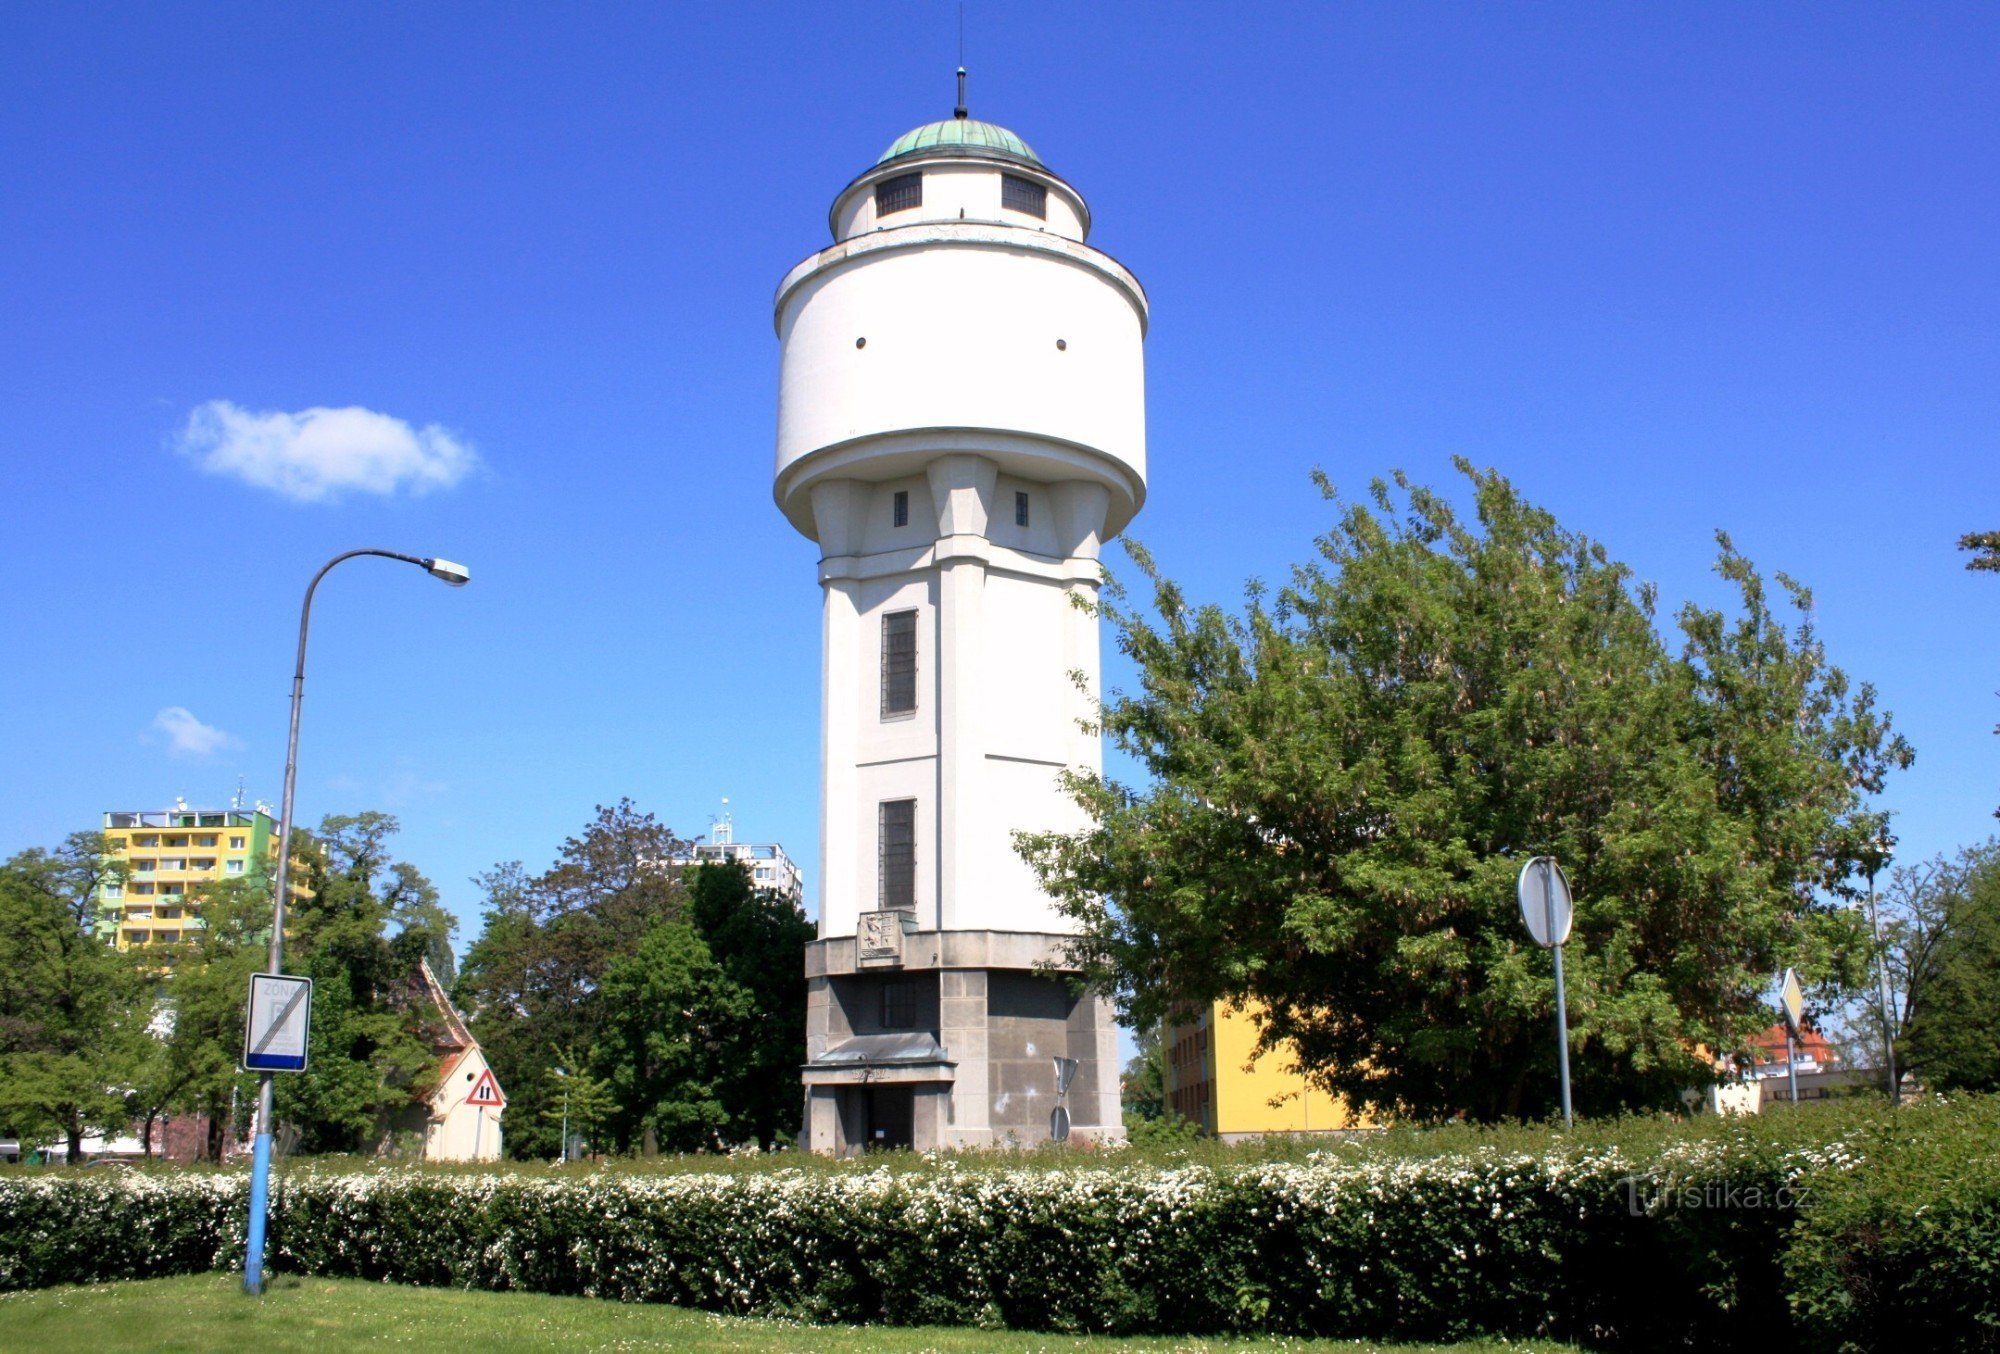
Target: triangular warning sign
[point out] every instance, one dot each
(485, 1091)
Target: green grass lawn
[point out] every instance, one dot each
(208, 1311)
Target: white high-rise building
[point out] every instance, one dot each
(769, 866)
(960, 427)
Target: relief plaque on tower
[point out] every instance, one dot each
(879, 939)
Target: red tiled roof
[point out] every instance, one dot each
(450, 1064)
(1768, 1046)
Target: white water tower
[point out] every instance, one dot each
(961, 426)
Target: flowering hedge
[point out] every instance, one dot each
(1742, 1234)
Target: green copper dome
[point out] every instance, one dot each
(965, 136)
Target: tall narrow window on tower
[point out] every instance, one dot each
(898, 837)
(899, 508)
(899, 194)
(1020, 508)
(899, 663)
(1023, 195)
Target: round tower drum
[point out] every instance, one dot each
(905, 342)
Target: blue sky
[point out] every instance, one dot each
(1671, 270)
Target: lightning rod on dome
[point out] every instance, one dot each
(959, 112)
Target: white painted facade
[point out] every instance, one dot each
(769, 866)
(959, 397)
(982, 367)
(459, 1130)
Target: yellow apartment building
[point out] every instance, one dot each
(1216, 1079)
(169, 856)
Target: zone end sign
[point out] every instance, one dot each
(280, 1019)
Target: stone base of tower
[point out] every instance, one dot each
(927, 1039)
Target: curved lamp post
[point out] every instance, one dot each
(457, 575)
(1879, 855)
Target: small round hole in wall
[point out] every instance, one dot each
(1062, 345)
(861, 343)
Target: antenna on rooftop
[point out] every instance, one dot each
(724, 828)
(236, 802)
(959, 112)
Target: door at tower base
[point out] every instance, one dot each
(957, 1047)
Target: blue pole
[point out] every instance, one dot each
(260, 1190)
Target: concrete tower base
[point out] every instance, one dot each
(928, 1039)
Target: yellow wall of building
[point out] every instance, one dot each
(1216, 1078)
(168, 866)
(1243, 1098)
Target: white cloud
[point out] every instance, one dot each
(318, 455)
(408, 785)
(187, 736)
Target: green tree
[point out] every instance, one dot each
(73, 1010)
(506, 996)
(1346, 777)
(688, 990)
(576, 1098)
(367, 1055)
(758, 938)
(531, 981)
(197, 1024)
(1946, 943)
(670, 1014)
(1985, 547)
(1143, 1089)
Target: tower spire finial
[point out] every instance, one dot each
(959, 112)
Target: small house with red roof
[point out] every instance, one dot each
(465, 1106)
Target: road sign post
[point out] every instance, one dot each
(1792, 997)
(1548, 908)
(1059, 1116)
(276, 1038)
(486, 1095)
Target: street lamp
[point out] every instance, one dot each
(457, 575)
(565, 1120)
(1877, 857)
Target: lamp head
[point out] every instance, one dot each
(455, 574)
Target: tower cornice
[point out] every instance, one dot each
(967, 234)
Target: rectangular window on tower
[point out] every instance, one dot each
(899, 664)
(899, 194)
(1020, 509)
(898, 851)
(899, 511)
(1024, 195)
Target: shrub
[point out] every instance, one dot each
(1842, 1223)
(92, 1226)
(1899, 1246)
